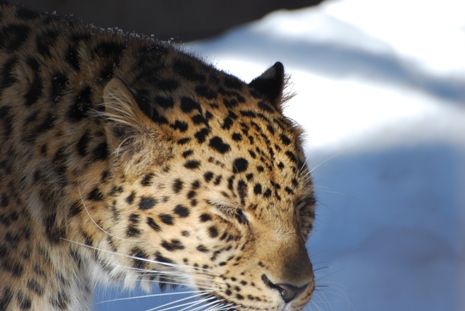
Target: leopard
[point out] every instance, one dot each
(128, 161)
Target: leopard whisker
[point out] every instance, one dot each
(210, 305)
(321, 268)
(316, 306)
(221, 306)
(328, 190)
(320, 297)
(170, 304)
(302, 168)
(217, 307)
(336, 289)
(123, 255)
(162, 283)
(193, 304)
(148, 273)
(150, 296)
(201, 282)
(324, 161)
(205, 283)
(189, 304)
(200, 302)
(203, 271)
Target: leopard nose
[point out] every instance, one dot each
(287, 291)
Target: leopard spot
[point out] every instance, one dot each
(147, 203)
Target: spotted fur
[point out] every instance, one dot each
(123, 159)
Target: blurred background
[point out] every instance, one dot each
(380, 93)
(178, 20)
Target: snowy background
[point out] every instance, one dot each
(381, 94)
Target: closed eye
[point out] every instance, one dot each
(231, 212)
(241, 217)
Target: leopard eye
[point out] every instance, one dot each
(230, 212)
(241, 217)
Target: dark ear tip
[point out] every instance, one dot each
(270, 84)
(279, 69)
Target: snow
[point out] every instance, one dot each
(380, 92)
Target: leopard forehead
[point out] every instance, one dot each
(232, 132)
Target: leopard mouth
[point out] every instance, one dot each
(288, 292)
(222, 303)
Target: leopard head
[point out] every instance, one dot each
(214, 192)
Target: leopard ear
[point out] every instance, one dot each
(133, 139)
(271, 83)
